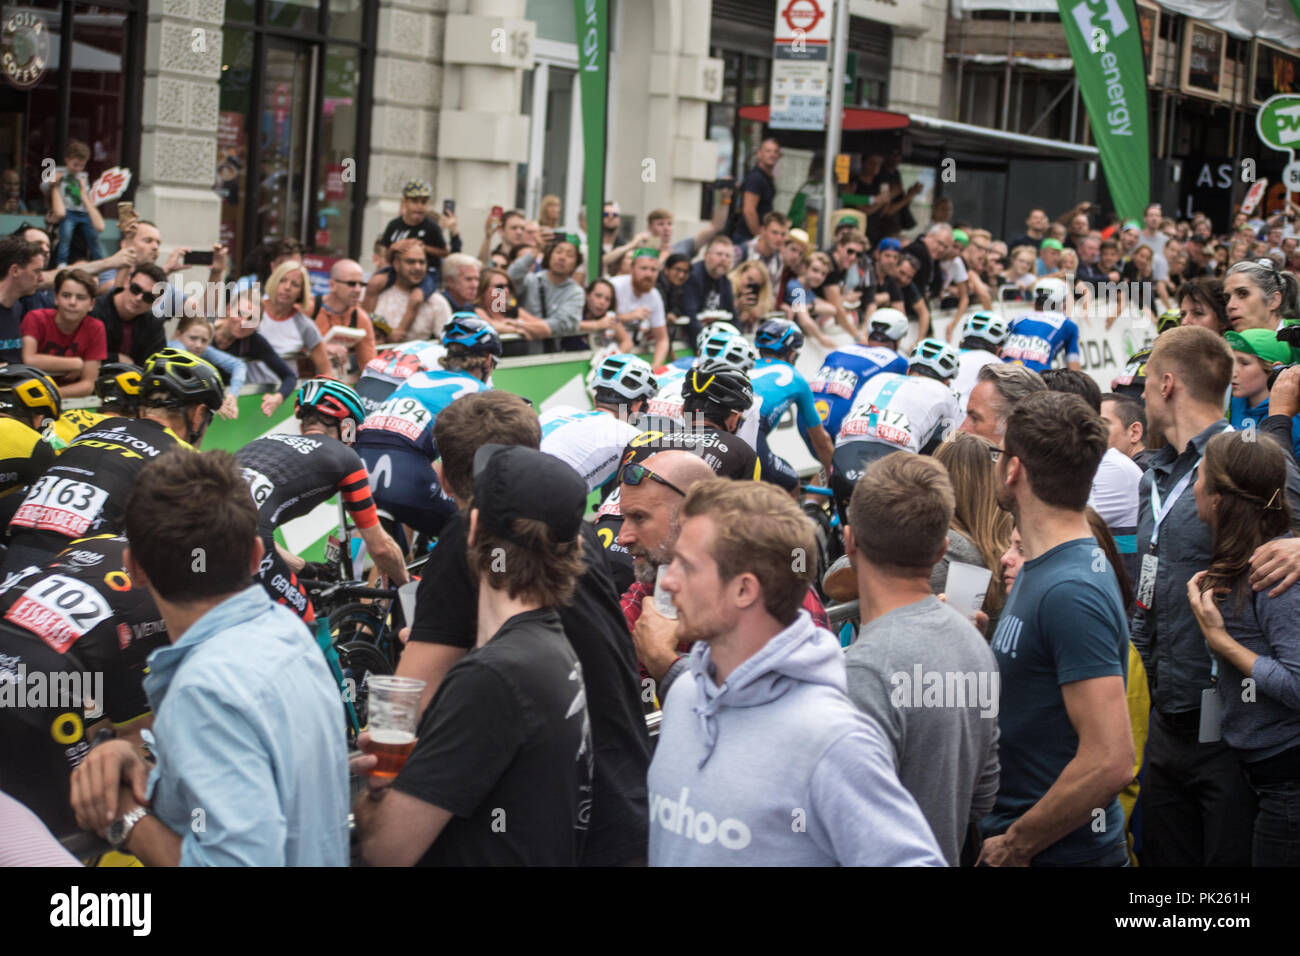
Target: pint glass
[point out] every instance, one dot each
(394, 714)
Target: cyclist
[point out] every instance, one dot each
(392, 367)
(894, 412)
(118, 389)
(779, 385)
(289, 475)
(1036, 338)
(85, 490)
(592, 442)
(28, 399)
(981, 338)
(715, 333)
(845, 370)
(396, 440)
(717, 344)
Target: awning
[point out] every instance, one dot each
(964, 137)
(1053, 64)
(856, 119)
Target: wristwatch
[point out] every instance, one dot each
(119, 831)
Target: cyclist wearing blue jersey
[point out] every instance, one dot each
(1037, 338)
(396, 440)
(392, 367)
(846, 370)
(591, 442)
(780, 385)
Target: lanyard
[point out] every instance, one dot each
(1160, 510)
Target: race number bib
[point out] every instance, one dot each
(879, 424)
(64, 505)
(59, 610)
(403, 416)
(259, 486)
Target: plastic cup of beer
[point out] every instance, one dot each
(394, 708)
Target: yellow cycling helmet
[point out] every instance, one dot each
(176, 379)
(25, 391)
(118, 386)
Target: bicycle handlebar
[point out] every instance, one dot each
(350, 588)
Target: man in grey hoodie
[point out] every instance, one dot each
(762, 758)
(552, 299)
(918, 667)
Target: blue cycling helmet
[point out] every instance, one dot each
(778, 335)
(471, 333)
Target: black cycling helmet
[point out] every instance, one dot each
(175, 379)
(27, 391)
(716, 382)
(118, 385)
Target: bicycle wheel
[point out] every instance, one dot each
(355, 622)
(359, 660)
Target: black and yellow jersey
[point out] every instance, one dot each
(24, 455)
(69, 426)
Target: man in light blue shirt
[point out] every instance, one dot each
(248, 730)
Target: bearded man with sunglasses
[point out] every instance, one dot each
(133, 332)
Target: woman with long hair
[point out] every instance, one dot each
(752, 286)
(284, 319)
(1254, 639)
(1260, 295)
(980, 531)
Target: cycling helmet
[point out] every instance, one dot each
(28, 391)
(416, 189)
(988, 327)
(331, 398)
(736, 350)
(183, 378)
(887, 324)
(626, 375)
(1169, 319)
(714, 328)
(778, 335)
(717, 382)
(1052, 293)
(118, 384)
(471, 333)
(935, 355)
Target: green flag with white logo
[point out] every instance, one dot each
(1106, 45)
(592, 17)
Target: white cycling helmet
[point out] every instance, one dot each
(887, 323)
(736, 350)
(1052, 293)
(626, 375)
(988, 327)
(937, 356)
(714, 328)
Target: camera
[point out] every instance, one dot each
(1290, 334)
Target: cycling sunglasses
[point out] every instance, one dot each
(634, 474)
(146, 295)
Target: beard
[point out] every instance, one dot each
(646, 570)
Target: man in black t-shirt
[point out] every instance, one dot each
(447, 614)
(502, 767)
(929, 250)
(20, 272)
(131, 330)
(757, 191)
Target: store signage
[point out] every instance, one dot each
(1204, 48)
(24, 47)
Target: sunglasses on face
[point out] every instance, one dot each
(635, 474)
(855, 252)
(995, 453)
(610, 215)
(350, 283)
(145, 295)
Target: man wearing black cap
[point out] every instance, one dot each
(501, 773)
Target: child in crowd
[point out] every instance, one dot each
(194, 335)
(71, 206)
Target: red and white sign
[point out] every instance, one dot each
(1253, 196)
(807, 21)
(110, 185)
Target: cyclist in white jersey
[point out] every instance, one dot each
(895, 412)
(981, 339)
(592, 441)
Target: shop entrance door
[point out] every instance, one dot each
(289, 108)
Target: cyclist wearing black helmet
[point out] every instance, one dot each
(396, 439)
(84, 492)
(779, 385)
(289, 475)
(715, 397)
(28, 398)
(117, 387)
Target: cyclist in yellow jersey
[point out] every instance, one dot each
(118, 389)
(28, 398)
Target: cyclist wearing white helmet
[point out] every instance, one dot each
(713, 334)
(847, 369)
(1037, 338)
(981, 336)
(895, 412)
(592, 442)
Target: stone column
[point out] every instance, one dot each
(178, 143)
(917, 63)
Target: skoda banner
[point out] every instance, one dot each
(1106, 45)
(593, 71)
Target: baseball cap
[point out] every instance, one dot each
(959, 236)
(1260, 342)
(884, 244)
(1052, 244)
(512, 481)
(799, 236)
(1131, 224)
(416, 189)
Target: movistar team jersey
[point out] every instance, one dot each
(1037, 337)
(393, 366)
(684, 362)
(289, 475)
(406, 419)
(843, 374)
(906, 411)
(970, 361)
(590, 442)
(24, 456)
(780, 385)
